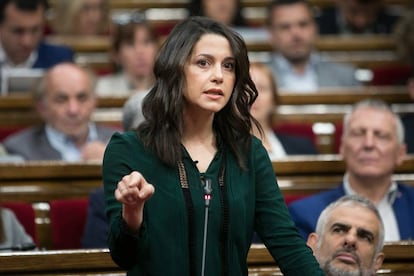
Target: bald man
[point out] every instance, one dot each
(65, 101)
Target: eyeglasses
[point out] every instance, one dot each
(129, 17)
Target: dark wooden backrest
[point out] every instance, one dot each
(399, 260)
(41, 182)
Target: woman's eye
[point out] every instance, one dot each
(229, 65)
(202, 62)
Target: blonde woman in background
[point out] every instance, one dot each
(263, 110)
(81, 17)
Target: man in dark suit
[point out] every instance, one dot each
(356, 17)
(96, 230)
(21, 36)
(65, 100)
(372, 146)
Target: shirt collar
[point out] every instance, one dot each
(285, 65)
(390, 195)
(61, 138)
(7, 63)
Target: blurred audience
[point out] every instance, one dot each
(349, 238)
(404, 38)
(134, 47)
(356, 17)
(12, 234)
(6, 158)
(132, 111)
(95, 234)
(65, 100)
(81, 17)
(372, 147)
(408, 119)
(264, 111)
(21, 36)
(295, 63)
(228, 12)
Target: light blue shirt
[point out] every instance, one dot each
(64, 144)
(385, 210)
(288, 79)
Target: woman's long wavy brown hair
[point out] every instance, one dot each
(164, 105)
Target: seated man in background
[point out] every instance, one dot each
(349, 238)
(372, 147)
(295, 63)
(21, 36)
(356, 17)
(65, 100)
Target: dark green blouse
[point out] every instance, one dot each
(161, 247)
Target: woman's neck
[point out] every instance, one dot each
(199, 139)
(198, 127)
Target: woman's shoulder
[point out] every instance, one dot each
(258, 151)
(129, 137)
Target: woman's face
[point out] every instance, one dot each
(137, 56)
(263, 106)
(90, 17)
(209, 74)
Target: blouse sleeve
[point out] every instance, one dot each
(273, 222)
(126, 247)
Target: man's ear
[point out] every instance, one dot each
(312, 241)
(378, 260)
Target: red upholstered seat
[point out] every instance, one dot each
(338, 136)
(67, 220)
(25, 214)
(7, 131)
(391, 75)
(291, 198)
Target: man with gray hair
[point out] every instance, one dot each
(372, 147)
(349, 238)
(65, 100)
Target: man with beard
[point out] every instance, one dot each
(295, 63)
(349, 238)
